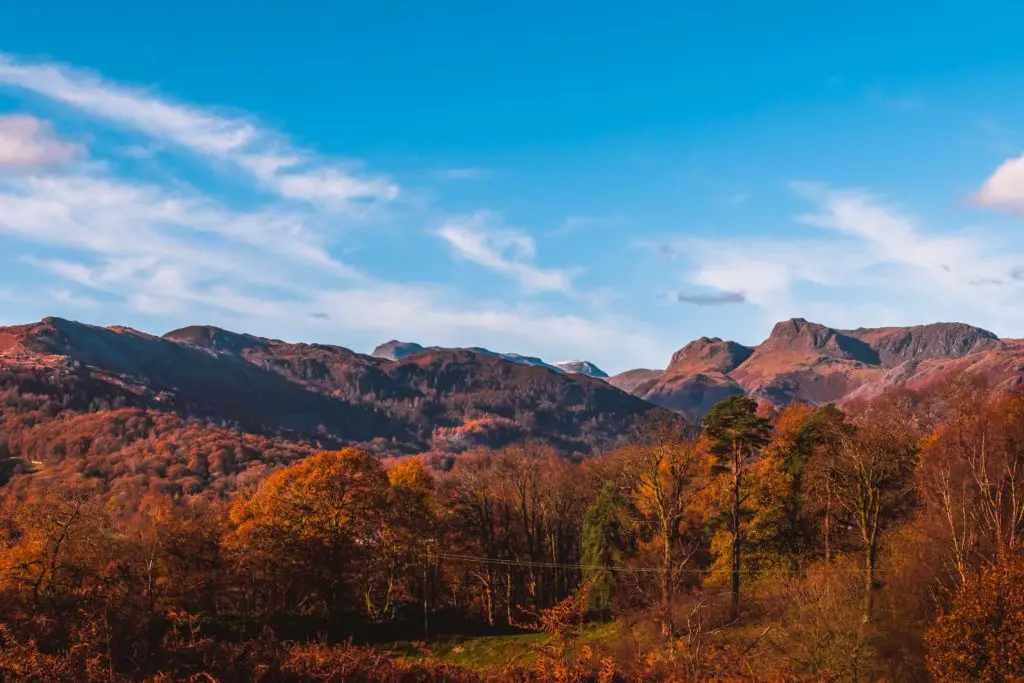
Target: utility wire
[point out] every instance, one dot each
(626, 569)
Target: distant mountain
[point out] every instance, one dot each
(581, 367)
(430, 399)
(397, 350)
(813, 363)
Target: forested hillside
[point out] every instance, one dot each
(877, 542)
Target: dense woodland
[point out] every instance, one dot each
(880, 541)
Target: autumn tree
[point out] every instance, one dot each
(178, 557)
(973, 475)
(311, 531)
(53, 545)
(825, 430)
(737, 435)
(874, 480)
(664, 472)
(982, 637)
(406, 565)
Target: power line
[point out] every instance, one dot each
(506, 562)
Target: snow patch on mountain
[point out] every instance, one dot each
(581, 367)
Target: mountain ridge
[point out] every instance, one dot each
(435, 399)
(810, 362)
(395, 350)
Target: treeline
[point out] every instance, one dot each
(881, 542)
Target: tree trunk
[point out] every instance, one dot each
(667, 627)
(489, 598)
(426, 606)
(508, 597)
(870, 558)
(827, 524)
(734, 610)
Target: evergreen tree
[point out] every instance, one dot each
(604, 539)
(737, 434)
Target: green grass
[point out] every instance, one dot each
(491, 653)
(484, 653)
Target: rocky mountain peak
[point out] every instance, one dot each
(580, 367)
(802, 336)
(396, 350)
(708, 354)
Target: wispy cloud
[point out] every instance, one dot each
(115, 217)
(28, 143)
(717, 299)
(437, 315)
(862, 249)
(481, 239)
(65, 296)
(263, 154)
(892, 235)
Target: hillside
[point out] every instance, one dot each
(294, 394)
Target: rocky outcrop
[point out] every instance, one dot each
(396, 350)
(896, 345)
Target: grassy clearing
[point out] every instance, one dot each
(490, 653)
(484, 653)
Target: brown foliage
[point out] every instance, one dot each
(982, 637)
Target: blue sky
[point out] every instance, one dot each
(601, 181)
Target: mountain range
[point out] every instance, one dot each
(812, 363)
(434, 399)
(406, 398)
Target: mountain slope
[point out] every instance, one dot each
(637, 382)
(447, 399)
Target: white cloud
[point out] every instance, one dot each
(112, 217)
(26, 142)
(503, 250)
(760, 282)
(891, 235)
(263, 154)
(1004, 189)
(438, 316)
